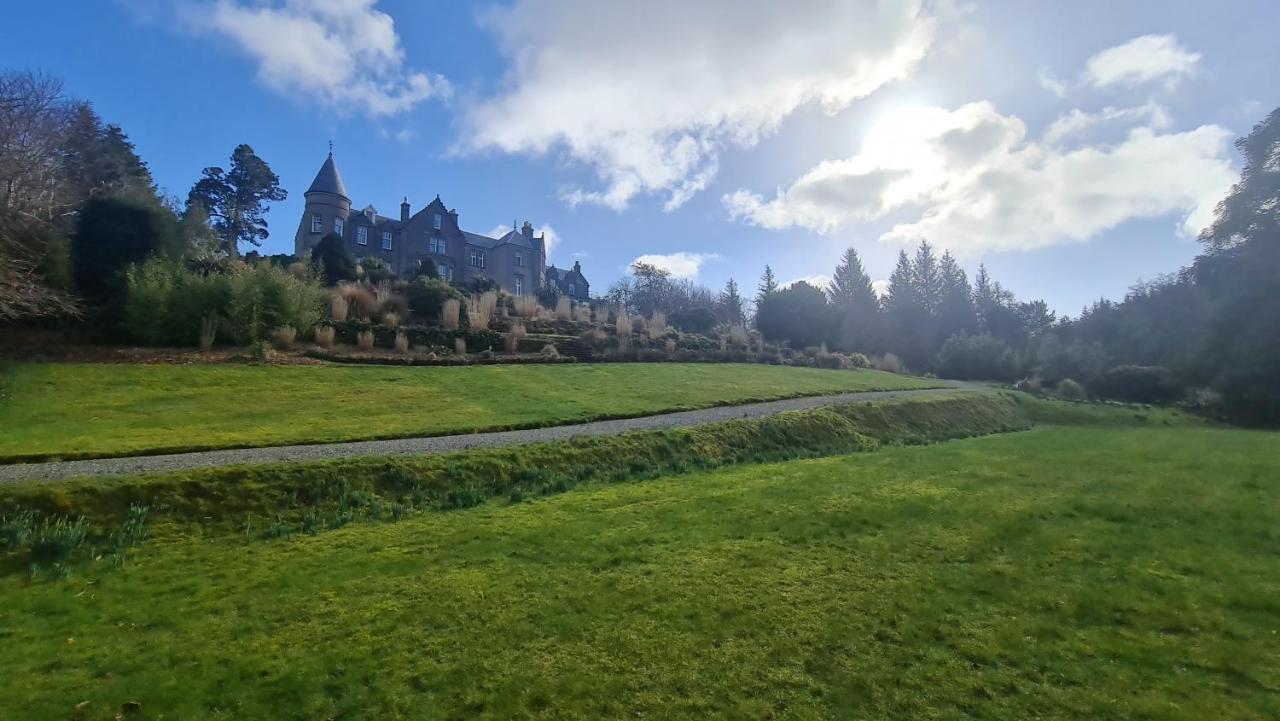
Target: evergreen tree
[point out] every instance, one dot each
(855, 304)
(956, 314)
(114, 232)
(334, 259)
(731, 303)
(236, 200)
(798, 314)
(767, 284)
(100, 159)
(850, 286)
(927, 278)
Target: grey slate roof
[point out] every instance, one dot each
(511, 238)
(328, 180)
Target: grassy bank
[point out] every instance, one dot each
(95, 410)
(289, 497)
(1123, 570)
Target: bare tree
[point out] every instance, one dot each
(33, 121)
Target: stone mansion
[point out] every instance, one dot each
(516, 261)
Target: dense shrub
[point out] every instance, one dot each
(977, 357)
(1140, 384)
(1071, 390)
(114, 233)
(427, 297)
(798, 314)
(334, 260)
(694, 320)
(167, 304)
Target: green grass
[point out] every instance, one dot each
(95, 410)
(289, 492)
(1068, 572)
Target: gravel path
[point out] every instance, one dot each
(59, 470)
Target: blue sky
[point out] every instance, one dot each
(1072, 147)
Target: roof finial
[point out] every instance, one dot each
(513, 225)
(330, 148)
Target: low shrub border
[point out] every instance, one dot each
(299, 496)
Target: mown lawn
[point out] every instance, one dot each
(1059, 573)
(86, 410)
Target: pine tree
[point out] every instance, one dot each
(855, 304)
(731, 303)
(956, 314)
(767, 284)
(927, 278)
(850, 286)
(236, 200)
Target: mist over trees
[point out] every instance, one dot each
(1209, 333)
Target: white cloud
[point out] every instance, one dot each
(1050, 83)
(975, 182)
(1077, 122)
(343, 53)
(818, 281)
(1141, 60)
(680, 265)
(880, 288)
(647, 94)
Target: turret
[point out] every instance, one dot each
(326, 204)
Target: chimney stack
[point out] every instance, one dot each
(404, 210)
(527, 229)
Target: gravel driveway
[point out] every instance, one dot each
(59, 470)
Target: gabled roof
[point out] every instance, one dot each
(511, 238)
(328, 180)
(378, 220)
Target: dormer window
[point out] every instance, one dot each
(436, 221)
(317, 223)
(337, 225)
(362, 235)
(386, 240)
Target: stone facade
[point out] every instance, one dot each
(516, 261)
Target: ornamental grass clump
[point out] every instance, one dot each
(564, 308)
(402, 343)
(450, 314)
(339, 309)
(524, 306)
(391, 319)
(282, 338)
(364, 341)
(623, 327)
(208, 332)
(480, 310)
(658, 322)
(582, 313)
(362, 301)
(460, 347)
(325, 336)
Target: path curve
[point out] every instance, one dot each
(130, 465)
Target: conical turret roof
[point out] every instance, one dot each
(328, 180)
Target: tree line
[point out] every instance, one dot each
(78, 206)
